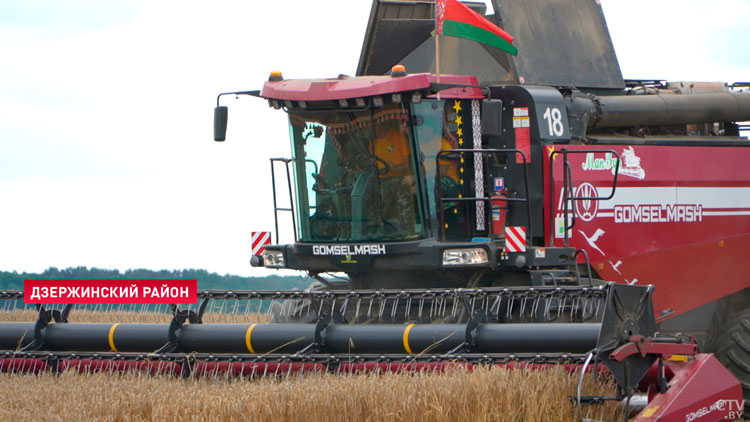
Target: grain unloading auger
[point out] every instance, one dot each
(609, 328)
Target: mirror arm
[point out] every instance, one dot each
(255, 93)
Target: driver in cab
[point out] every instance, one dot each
(396, 176)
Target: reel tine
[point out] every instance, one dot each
(286, 307)
(562, 306)
(577, 306)
(344, 306)
(509, 315)
(589, 304)
(547, 305)
(495, 307)
(534, 306)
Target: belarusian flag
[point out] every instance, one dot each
(454, 19)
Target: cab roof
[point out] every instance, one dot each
(346, 87)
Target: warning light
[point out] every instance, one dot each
(275, 76)
(398, 71)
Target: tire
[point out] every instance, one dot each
(733, 351)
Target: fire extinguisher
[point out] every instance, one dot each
(499, 212)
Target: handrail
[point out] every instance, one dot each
(276, 208)
(568, 187)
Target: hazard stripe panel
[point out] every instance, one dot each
(515, 239)
(258, 241)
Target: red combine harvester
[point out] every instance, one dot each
(536, 209)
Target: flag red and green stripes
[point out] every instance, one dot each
(457, 20)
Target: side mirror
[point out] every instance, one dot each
(221, 114)
(492, 113)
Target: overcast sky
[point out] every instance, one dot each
(106, 151)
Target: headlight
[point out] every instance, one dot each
(273, 259)
(468, 256)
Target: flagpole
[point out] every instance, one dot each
(439, 15)
(437, 56)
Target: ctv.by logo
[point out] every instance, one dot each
(733, 407)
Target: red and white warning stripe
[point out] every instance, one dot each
(258, 241)
(515, 239)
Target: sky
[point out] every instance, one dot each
(107, 156)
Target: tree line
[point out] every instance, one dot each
(206, 280)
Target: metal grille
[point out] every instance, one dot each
(476, 129)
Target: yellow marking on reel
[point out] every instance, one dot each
(678, 358)
(112, 337)
(406, 339)
(248, 341)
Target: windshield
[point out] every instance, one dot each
(355, 175)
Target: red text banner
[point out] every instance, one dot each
(110, 291)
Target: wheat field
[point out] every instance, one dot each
(483, 394)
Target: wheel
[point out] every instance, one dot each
(733, 351)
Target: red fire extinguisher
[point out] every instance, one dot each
(499, 212)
